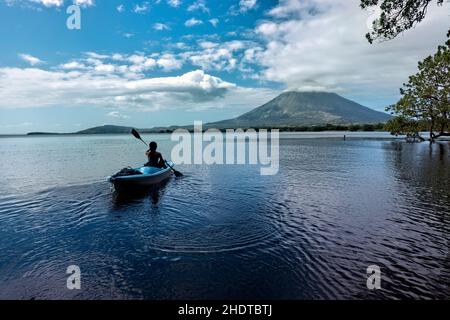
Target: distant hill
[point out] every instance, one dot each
(41, 133)
(111, 129)
(105, 129)
(305, 109)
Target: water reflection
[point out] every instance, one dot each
(420, 211)
(154, 193)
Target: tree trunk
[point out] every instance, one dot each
(431, 130)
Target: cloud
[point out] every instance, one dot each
(30, 59)
(222, 56)
(242, 7)
(193, 22)
(95, 55)
(179, 46)
(128, 65)
(117, 115)
(160, 26)
(120, 8)
(214, 22)
(246, 5)
(142, 8)
(50, 3)
(84, 3)
(199, 5)
(73, 65)
(169, 62)
(33, 87)
(105, 68)
(58, 3)
(207, 44)
(128, 35)
(320, 44)
(174, 3)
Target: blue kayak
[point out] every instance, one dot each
(148, 176)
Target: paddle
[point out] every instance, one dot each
(176, 172)
(138, 136)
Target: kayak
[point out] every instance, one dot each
(149, 176)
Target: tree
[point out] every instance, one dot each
(401, 125)
(425, 102)
(396, 16)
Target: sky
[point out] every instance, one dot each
(171, 62)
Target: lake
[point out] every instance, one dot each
(224, 231)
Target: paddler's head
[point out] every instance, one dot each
(153, 146)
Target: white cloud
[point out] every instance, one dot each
(207, 44)
(144, 65)
(128, 65)
(242, 7)
(160, 26)
(120, 8)
(149, 63)
(193, 22)
(199, 5)
(59, 3)
(136, 59)
(73, 65)
(223, 56)
(142, 8)
(169, 62)
(105, 68)
(50, 3)
(214, 22)
(30, 59)
(180, 46)
(120, 81)
(84, 3)
(288, 7)
(96, 55)
(246, 5)
(321, 44)
(32, 87)
(174, 3)
(117, 57)
(117, 115)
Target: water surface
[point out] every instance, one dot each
(334, 208)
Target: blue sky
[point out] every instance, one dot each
(162, 62)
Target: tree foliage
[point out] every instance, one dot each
(425, 102)
(396, 16)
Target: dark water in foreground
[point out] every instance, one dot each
(335, 208)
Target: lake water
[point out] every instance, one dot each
(225, 231)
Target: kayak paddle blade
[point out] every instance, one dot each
(177, 173)
(136, 134)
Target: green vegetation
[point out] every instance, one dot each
(317, 128)
(41, 133)
(331, 127)
(396, 16)
(425, 102)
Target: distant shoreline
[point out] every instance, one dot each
(111, 129)
(43, 134)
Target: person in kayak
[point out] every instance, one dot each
(155, 158)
